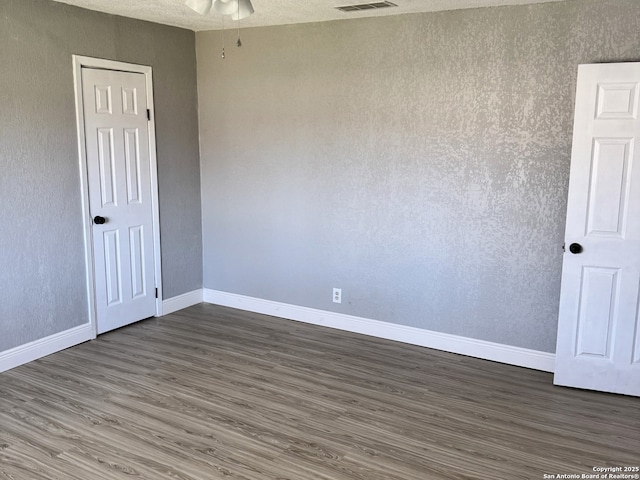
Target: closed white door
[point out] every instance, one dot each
(118, 170)
(598, 330)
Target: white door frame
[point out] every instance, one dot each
(99, 63)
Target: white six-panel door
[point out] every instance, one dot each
(118, 170)
(598, 330)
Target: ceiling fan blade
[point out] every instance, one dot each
(226, 7)
(200, 6)
(243, 11)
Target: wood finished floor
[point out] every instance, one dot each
(212, 392)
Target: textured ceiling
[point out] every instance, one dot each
(274, 12)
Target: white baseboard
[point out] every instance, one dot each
(185, 300)
(54, 343)
(497, 352)
(415, 336)
(45, 346)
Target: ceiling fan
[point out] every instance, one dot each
(237, 9)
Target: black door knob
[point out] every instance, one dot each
(575, 248)
(98, 220)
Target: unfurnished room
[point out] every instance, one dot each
(319, 239)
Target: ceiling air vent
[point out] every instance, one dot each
(366, 6)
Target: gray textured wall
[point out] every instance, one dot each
(42, 272)
(419, 162)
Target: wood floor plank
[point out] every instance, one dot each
(211, 392)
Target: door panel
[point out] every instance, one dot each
(119, 175)
(608, 196)
(617, 100)
(597, 310)
(107, 166)
(131, 143)
(598, 322)
(136, 244)
(636, 347)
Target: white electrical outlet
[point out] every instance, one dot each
(337, 295)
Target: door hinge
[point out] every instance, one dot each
(156, 293)
(148, 114)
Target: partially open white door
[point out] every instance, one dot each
(598, 330)
(116, 133)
